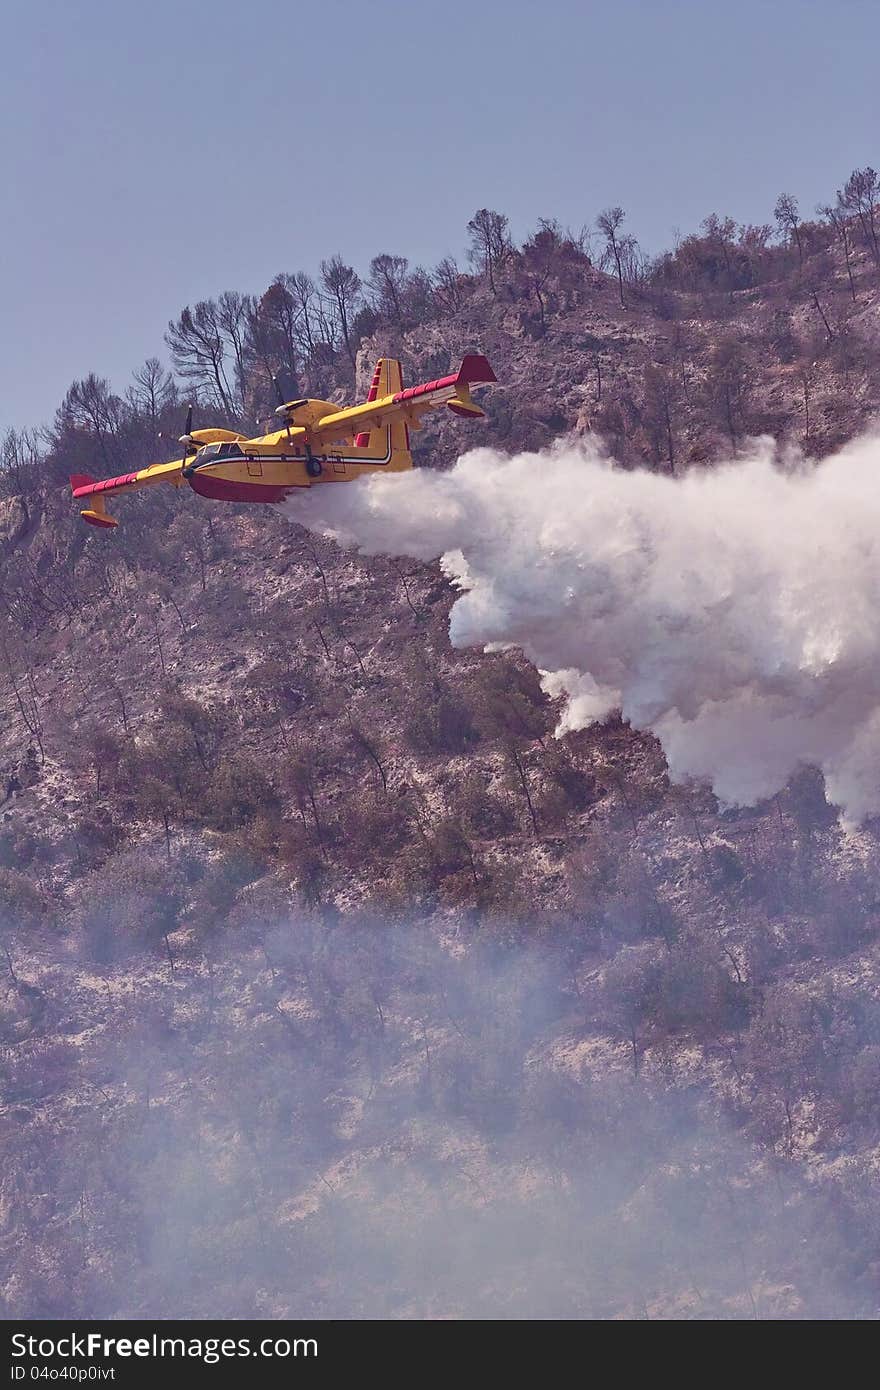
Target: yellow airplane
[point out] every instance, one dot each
(318, 443)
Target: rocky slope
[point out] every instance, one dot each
(335, 983)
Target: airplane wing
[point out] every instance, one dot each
(410, 404)
(94, 493)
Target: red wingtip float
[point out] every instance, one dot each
(317, 443)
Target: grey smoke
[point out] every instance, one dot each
(375, 1127)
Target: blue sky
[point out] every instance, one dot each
(156, 153)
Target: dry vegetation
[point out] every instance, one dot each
(334, 983)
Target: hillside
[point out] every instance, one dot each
(335, 983)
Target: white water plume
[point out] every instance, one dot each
(735, 612)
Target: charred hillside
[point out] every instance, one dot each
(321, 951)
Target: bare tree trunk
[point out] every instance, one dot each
(805, 383)
(348, 643)
(848, 258)
(159, 643)
(619, 273)
(26, 700)
(364, 743)
(320, 633)
(123, 708)
(821, 312)
(10, 967)
(669, 443)
(409, 601)
(521, 772)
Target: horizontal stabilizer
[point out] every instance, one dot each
(474, 370)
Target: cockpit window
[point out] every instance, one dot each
(211, 453)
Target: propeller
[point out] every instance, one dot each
(190, 445)
(282, 398)
(285, 386)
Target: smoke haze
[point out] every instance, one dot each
(376, 1128)
(732, 612)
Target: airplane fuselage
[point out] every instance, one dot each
(267, 469)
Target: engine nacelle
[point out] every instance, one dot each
(306, 413)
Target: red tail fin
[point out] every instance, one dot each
(80, 480)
